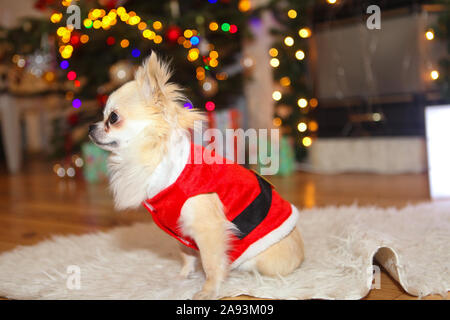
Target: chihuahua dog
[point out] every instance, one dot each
(228, 215)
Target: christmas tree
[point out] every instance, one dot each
(202, 38)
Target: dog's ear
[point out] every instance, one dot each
(153, 79)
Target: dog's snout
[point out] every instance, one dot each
(92, 127)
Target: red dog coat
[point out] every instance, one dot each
(261, 216)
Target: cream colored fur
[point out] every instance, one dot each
(149, 147)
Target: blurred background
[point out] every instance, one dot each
(347, 82)
(315, 69)
(328, 73)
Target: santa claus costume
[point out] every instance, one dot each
(260, 215)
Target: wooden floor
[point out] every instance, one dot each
(36, 204)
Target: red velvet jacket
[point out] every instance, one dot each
(250, 202)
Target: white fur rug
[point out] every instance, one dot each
(141, 262)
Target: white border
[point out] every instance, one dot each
(269, 239)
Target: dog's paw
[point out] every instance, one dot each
(205, 295)
(183, 275)
(185, 272)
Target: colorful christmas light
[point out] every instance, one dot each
(76, 103)
(64, 64)
(210, 106)
(292, 14)
(135, 53)
(195, 40)
(71, 75)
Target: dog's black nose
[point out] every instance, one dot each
(92, 128)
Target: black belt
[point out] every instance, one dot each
(256, 211)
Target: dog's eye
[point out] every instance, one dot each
(113, 117)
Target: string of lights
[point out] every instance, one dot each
(288, 58)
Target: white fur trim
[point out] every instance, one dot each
(269, 239)
(173, 163)
(132, 183)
